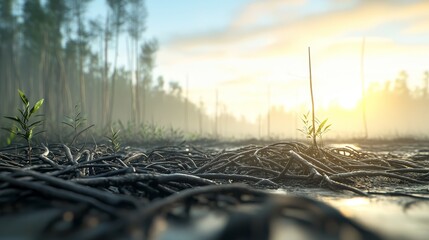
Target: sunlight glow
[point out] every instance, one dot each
(243, 60)
(357, 201)
(348, 206)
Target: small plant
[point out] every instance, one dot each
(22, 125)
(309, 131)
(114, 140)
(75, 122)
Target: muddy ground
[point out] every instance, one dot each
(212, 190)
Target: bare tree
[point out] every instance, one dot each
(146, 65)
(78, 9)
(362, 77)
(136, 26)
(106, 99)
(9, 76)
(118, 9)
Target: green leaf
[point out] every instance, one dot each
(22, 113)
(327, 127)
(10, 130)
(79, 133)
(319, 129)
(26, 134)
(22, 135)
(68, 118)
(23, 98)
(12, 135)
(9, 140)
(115, 133)
(68, 124)
(77, 124)
(35, 124)
(36, 106)
(16, 119)
(38, 133)
(26, 114)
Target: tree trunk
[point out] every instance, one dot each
(105, 103)
(112, 90)
(137, 86)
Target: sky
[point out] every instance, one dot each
(255, 52)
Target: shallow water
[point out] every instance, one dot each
(389, 216)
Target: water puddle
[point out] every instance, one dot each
(393, 217)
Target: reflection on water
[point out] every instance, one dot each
(393, 217)
(344, 145)
(349, 204)
(386, 215)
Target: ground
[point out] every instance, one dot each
(214, 190)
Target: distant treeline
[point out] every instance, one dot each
(393, 110)
(50, 50)
(47, 50)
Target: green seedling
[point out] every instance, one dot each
(76, 122)
(22, 126)
(318, 132)
(114, 140)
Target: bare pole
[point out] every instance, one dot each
(268, 111)
(216, 113)
(312, 101)
(186, 103)
(200, 117)
(362, 77)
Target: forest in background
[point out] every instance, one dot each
(51, 50)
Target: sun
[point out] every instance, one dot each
(339, 83)
(349, 100)
(346, 95)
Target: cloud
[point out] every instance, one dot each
(222, 55)
(420, 26)
(265, 44)
(285, 35)
(258, 10)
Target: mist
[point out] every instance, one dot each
(55, 50)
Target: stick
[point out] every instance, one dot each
(312, 101)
